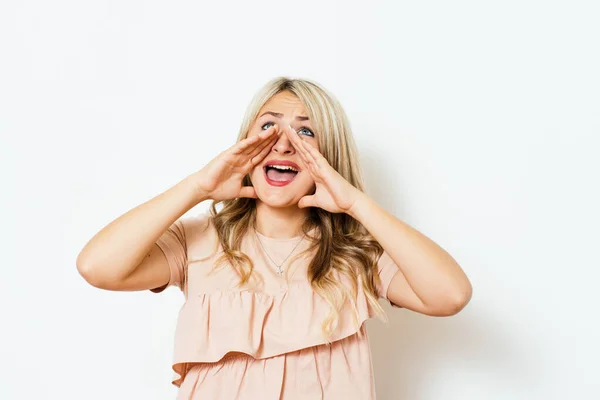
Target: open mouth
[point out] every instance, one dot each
(279, 175)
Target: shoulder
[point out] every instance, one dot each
(197, 223)
(200, 233)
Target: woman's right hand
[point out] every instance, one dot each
(221, 178)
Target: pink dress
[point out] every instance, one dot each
(261, 341)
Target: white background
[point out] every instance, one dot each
(477, 122)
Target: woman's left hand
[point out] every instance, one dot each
(333, 193)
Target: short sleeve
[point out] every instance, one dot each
(174, 246)
(387, 268)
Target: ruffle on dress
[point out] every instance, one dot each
(212, 325)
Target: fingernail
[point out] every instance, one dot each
(292, 128)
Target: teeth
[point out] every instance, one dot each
(283, 167)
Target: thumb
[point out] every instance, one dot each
(307, 201)
(248, 191)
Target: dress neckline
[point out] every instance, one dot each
(271, 239)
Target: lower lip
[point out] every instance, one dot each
(278, 183)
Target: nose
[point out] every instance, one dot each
(283, 145)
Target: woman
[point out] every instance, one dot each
(279, 281)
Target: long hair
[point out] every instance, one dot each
(342, 245)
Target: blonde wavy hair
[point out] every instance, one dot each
(341, 244)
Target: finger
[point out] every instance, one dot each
(306, 154)
(243, 144)
(268, 137)
(306, 201)
(263, 153)
(292, 135)
(297, 142)
(248, 191)
(250, 142)
(301, 146)
(269, 131)
(312, 153)
(265, 144)
(265, 139)
(307, 150)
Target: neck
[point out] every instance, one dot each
(279, 223)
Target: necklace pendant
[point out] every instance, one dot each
(279, 271)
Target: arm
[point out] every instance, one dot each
(429, 281)
(124, 255)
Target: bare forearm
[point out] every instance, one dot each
(115, 251)
(432, 273)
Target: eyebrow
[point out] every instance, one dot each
(279, 115)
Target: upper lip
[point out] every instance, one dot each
(282, 162)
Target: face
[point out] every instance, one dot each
(280, 188)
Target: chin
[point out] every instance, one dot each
(278, 205)
(266, 195)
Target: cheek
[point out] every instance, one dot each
(307, 180)
(256, 173)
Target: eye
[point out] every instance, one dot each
(310, 133)
(263, 126)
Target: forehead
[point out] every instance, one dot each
(284, 102)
